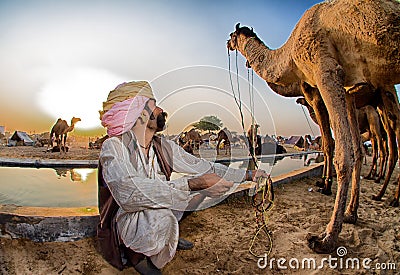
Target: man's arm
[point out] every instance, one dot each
(184, 162)
(132, 192)
(211, 185)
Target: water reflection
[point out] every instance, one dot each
(48, 187)
(77, 187)
(309, 159)
(76, 174)
(278, 164)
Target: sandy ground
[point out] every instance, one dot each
(74, 152)
(222, 235)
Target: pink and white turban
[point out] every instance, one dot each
(124, 105)
(123, 115)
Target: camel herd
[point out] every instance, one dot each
(191, 140)
(341, 56)
(224, 140)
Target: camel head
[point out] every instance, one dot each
(239, 37)
(75, 120)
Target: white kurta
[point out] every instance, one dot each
(146, 221)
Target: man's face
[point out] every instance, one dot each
(157, 116)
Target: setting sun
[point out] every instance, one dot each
(77, 92)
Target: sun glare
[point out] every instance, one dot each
(82, 173)
(79, 93)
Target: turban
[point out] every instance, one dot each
(124, 105)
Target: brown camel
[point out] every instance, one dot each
(387, 104)
(370, 123)
(60, 131)
(389, 111)
(254, 140)
(225, 136)
(190, 140)
(335, 45)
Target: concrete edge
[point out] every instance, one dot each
(49, 163)
(41, 224)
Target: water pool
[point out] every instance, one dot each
(77, 187)
(48, 187)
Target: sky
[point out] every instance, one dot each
(60, 59)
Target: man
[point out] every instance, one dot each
(136, 166)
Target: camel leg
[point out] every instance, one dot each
(350, 215)
(382, 157)
(395, 201)
(64, 141)
(218, 143)
(372, 171)
(330, 84)
(393, 156)
(385, 149)
(389, 111)
(50, 143)
(58, 141)
(313, 98)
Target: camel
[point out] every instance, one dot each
(225, 136)
(335, 47)
(190, 140)
(370, 123)
(98, 142)
(60, 130)
(387, 104)
(254, 140)
(389, 110)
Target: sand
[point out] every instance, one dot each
(222, 235)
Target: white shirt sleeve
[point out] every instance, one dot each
(183, 162)
(132, 190)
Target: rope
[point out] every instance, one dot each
(261, 210)
(238, 102)
(252, 110)
(262, 207)
(309, 125)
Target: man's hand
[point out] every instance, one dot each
(254, 175)
(210, 185)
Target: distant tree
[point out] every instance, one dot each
(209, 123)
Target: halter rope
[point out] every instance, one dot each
(263, 203)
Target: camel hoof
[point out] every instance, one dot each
(325, 192)
(378, 180)
(320, 244)
(350, 218)
(394, 203)
(376, 198)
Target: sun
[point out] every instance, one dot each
(77, 92)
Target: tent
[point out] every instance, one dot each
(20, 138)
(296, 141)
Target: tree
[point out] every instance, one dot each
(208, 123)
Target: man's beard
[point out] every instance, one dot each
(161, 119)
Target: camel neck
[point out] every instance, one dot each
(271, 65)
